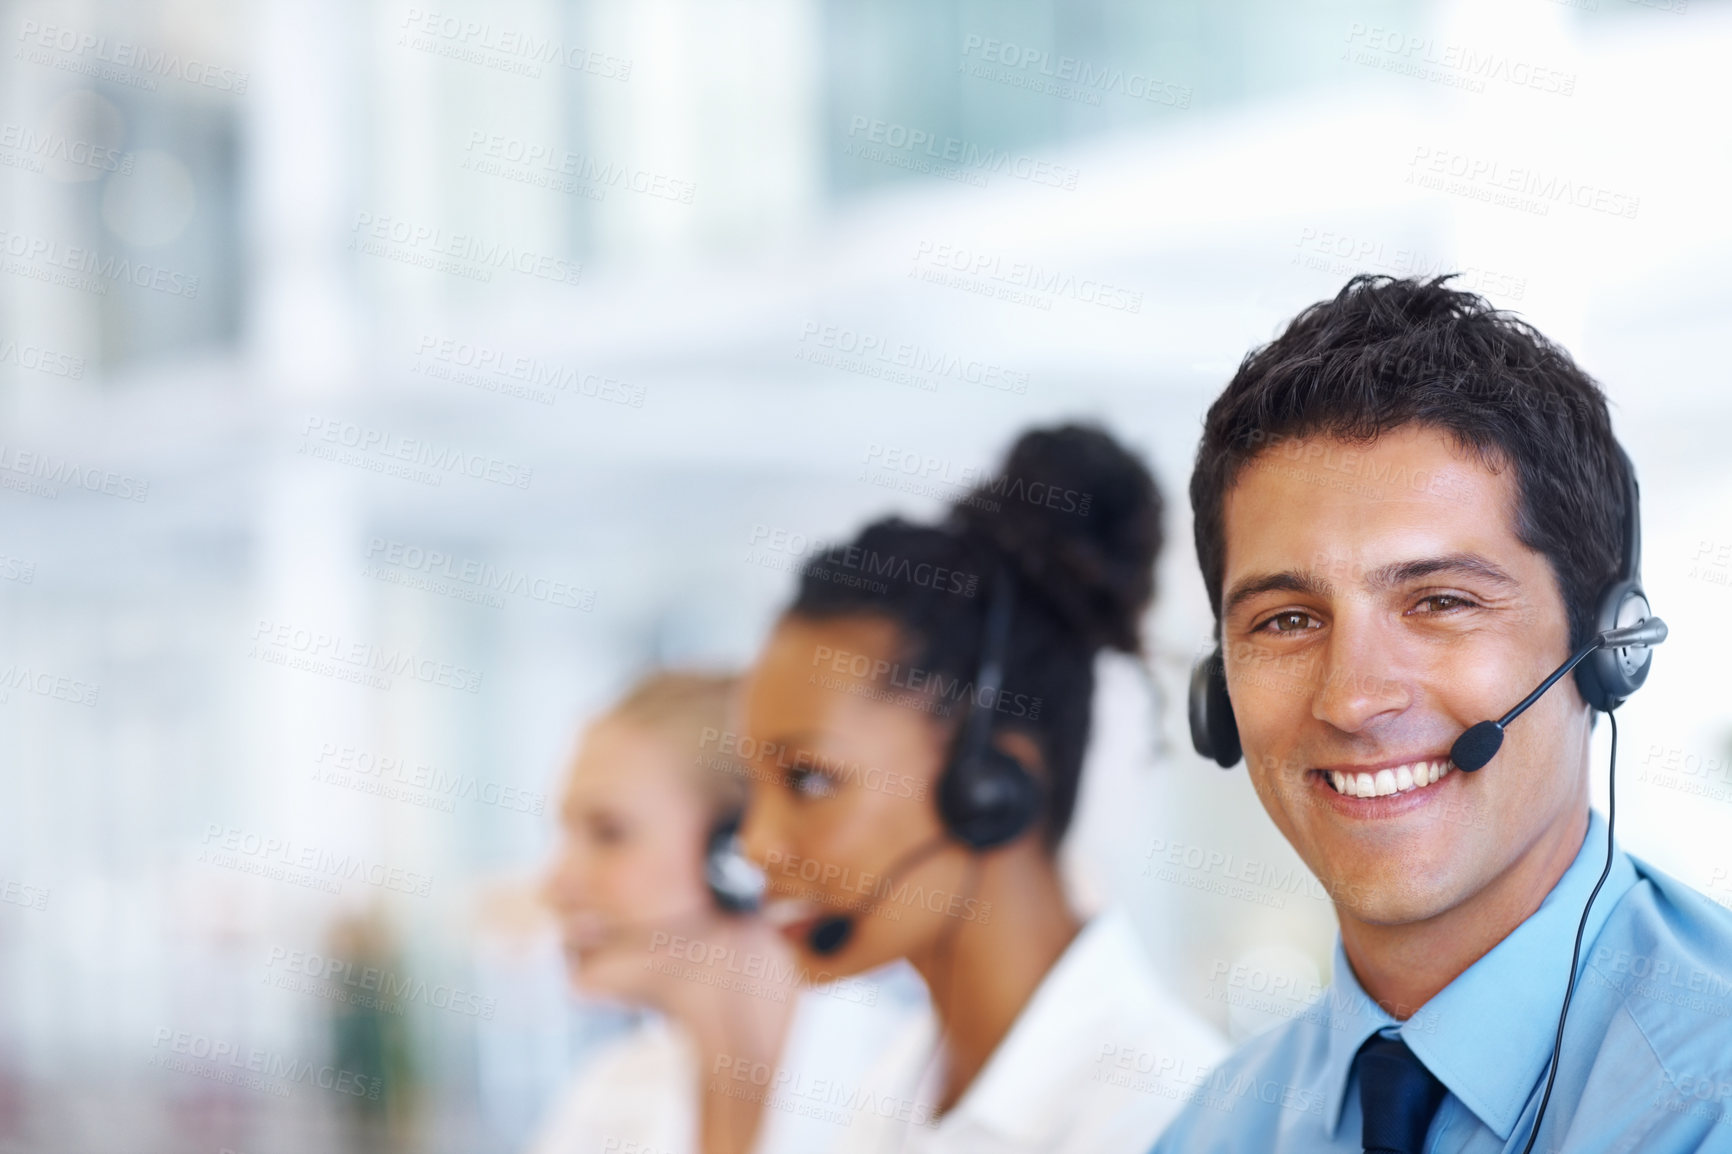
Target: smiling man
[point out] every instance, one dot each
(1406, 508)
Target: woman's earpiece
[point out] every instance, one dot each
(734, 882)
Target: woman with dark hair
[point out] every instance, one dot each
(917, 721)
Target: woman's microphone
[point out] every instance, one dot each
(830, 934)
(1474, 748)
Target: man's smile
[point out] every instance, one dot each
(1387, 778)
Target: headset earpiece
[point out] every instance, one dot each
(1214, 729)
(986, 797)
(989, 800)
(1608, 676)
(734, 882)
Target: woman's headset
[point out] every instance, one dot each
(735, 884)
(1605, 677)
(986, 796)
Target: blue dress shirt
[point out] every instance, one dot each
(1647, 1055)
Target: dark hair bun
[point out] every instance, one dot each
(1080, 518)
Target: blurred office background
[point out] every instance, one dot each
(683, 287)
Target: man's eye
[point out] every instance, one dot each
(810, 783)
(1291, 621)
(1442, 603)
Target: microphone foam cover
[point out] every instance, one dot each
(830, 935)
(1477, 746)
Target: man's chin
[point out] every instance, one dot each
(1380, 900)
(1382, 877)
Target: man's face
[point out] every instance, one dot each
(1376, 603)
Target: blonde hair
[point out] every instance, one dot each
(689, 711)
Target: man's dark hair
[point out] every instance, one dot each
(1386, 353)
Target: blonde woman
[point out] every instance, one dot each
(657, 911)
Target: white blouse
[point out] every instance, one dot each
(639, 1094)
(1098, 1062)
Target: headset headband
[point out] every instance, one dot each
(990, 678)
(1632, 560)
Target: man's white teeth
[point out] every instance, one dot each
(1384, 782)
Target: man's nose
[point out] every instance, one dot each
(1362, 680)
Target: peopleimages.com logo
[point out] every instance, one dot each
(254, 1067)
(121, 62)
(317, 867)
(44, 474)
(24, 147)
(415, 458)
(47, 260)
(375, 987)
(318, 651)
(442, 572)
(924, 150)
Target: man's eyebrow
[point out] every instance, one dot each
(1288, 581)
(1385, 577)
(1464, 564)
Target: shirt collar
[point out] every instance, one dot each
(1518, 984)
(1351, 1017)
(1016, 1094)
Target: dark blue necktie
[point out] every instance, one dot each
(1397, 1095)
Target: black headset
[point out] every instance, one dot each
(1605, 676)
(1610, 675)
(735, 883)
(986, 796)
